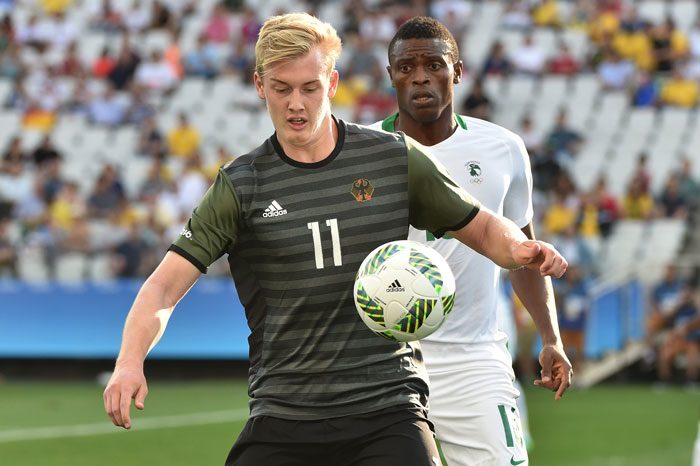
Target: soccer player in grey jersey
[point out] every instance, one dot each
(296, 217)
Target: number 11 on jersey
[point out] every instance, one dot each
(318, 247)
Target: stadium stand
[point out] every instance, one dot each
(43, 90)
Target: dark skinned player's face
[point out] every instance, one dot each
(423, 74)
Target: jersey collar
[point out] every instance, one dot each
(389, 123)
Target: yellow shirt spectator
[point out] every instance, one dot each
(183, 141)
(606, 23)
(635, 46)
(558, 218)
(55, 6)
(680, 91)
(637, 204)
(546, 13)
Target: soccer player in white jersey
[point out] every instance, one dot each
(472, 396)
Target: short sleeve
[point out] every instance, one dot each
(213, 228)
(436, 202)
(517, 205)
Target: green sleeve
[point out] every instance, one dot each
(437, 203)
(213, 227)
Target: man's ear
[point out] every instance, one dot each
(391, 78)
(458, 70)
(259, 85)
(333, 84)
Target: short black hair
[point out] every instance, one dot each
(424, 27)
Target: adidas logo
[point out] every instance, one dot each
(274, 210)
(395, 287)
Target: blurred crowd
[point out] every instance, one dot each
(43, 211)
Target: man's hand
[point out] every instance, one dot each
(541, 256)
(125, 384)
(556, 370)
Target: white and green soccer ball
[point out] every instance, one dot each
(404, 290)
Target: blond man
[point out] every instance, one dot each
(296, 217)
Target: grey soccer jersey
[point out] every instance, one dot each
(296, 234)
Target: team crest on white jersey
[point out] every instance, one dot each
(474, 171)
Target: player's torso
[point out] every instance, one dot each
(304, 233)
(480, 158)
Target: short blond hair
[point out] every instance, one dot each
(293, 35)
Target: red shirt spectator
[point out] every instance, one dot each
(103, 65)
(564, 63)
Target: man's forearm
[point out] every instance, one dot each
(537, 295)
(492, 236)
(145, 324)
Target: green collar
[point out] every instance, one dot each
(389, 123)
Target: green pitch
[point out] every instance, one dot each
(186, 424)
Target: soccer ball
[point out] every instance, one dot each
(404, 290)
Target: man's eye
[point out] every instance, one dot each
(404, 68)
(435, 66)
(310, 89)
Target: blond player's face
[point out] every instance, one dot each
(297, 94)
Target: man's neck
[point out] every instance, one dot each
(429, 133)
(316, 150)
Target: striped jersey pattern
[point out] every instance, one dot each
(304, 230)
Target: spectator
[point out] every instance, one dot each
(173, 56)
(11, 65)
(684, 337)
(16, 184)
(529, 58)
(183, 140)
(156, 74)
(157, 180)
(374, 104)
(680, 91)
(669, 45)
(577, 251)
(104, 64)
(250, 27)
(646, 93)
(161, 16)
(45, 152)
(14, 152)
(124, 69)
(694, 40)
(8, 252)
(563, 141)
(72, 65)
(239, 62)
(67, 207)
(665, 296)
(546, 13)
(139, 109)
(689, 186)
(574, 304)
(608, 209)
(641, 172)
(497, 62)
(564, 63)
(222, 158)
(60, 30)
(108, 109)
(477, 104)
(107, 195)
(532, 138)
(191, 184)
(615, 73)
(33, 34)
(218, 30)
(151, 142)
(203, 61)
(560, 216)
(637, 204)
(516, 15)
(671, 203)
(51, 180)
(363, 62)
(106, 18)
(130, 256)
(137, 18)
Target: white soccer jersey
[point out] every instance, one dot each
(492, 164)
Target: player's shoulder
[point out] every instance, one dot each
(490, 130)
(245, 164)
(354, 131)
